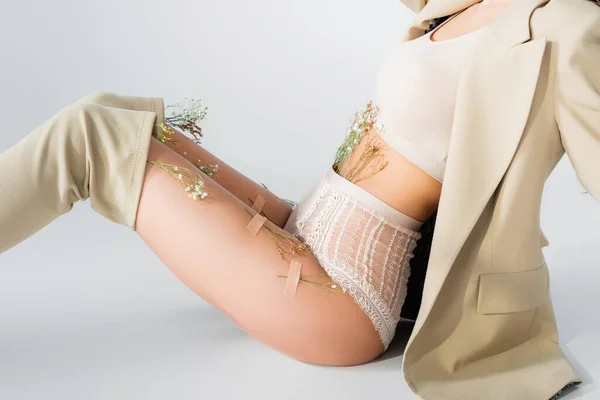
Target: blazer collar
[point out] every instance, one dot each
(511, 26)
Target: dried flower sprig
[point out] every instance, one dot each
(208, 169)
(161, 132)
(195, 188)
(192, 112)
(371, 155)
(285, 243)
(292, 203)
(329, 286)
(363, 122)
(163, 136)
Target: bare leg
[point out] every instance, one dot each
(276, 209)
(242, 187)
(207, 244)
(110, 156)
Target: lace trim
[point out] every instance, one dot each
(361, 290)
(316, 233)
(304, 215)
(364, 295)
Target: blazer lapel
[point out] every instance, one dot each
(493, 101)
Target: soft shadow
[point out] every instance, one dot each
(398, 344)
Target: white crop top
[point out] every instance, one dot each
(415, 93)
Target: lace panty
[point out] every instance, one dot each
(362, 243)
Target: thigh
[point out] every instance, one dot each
(207, 244)
(275, 208)
(242, 187)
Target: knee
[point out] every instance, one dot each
(98, 97)
(77, 110)
(75, 116)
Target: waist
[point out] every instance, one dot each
(401, 184)
(394, 216)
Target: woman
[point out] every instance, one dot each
(345, 248)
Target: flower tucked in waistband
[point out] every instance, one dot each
(364, 121)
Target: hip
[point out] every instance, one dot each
(361, 242)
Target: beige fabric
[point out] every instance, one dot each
(75, 155)
(486, 327)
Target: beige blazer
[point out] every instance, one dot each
(486, 328)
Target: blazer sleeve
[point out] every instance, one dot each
(414, 5)
(577, 100)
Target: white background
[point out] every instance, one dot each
(281, 80)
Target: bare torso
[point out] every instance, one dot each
(402, 184)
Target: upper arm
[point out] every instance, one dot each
(577, 99)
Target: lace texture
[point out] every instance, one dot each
(357, 248)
